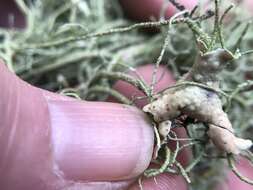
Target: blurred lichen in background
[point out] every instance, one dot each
(72, 64)
(65, 45)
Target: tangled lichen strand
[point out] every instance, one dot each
(208, 66)
(201, 104)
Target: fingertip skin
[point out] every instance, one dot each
(100, 141)
(51, 142)
(161, 182)
(146, 10)
(7, 8)
(26, 156)
(231, 181)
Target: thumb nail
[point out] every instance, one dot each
(99, 141)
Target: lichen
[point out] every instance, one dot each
(201, 104)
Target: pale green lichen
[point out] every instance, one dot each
(78, 39)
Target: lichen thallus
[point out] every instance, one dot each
(197, 95)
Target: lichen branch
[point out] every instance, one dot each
(231, 163)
